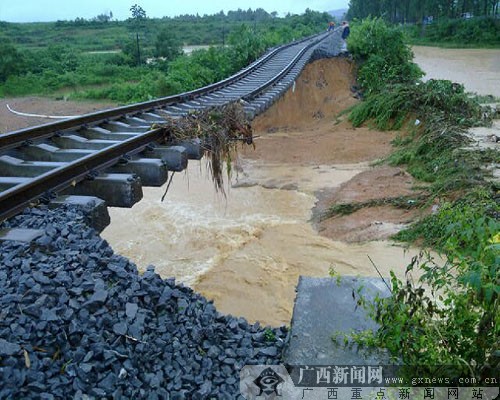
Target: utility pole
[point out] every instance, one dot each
(138, 49)
(138, 14)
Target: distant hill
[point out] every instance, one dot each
(338, 14)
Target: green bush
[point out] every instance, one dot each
(445, 226)
(23, 85)
(167, 45)
(11, 62)
(382, 55)
(448, 324)
(247, 45)
(56, 56)
(148, 87)
(390, 106)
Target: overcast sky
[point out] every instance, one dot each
(53, 10)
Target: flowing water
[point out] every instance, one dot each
(477, 69)
(245, 250)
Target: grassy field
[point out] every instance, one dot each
(189, 30)
(101, 60)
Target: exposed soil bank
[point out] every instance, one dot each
(247, 251)
(304, 147)
(323, 89)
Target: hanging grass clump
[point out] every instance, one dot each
(219, 129)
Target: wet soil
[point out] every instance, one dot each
(248, 253)
(308, 128)
(307, 157)
(10, 121)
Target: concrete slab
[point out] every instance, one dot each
(117, 190)
(193, 148)
(174, 157)
(152, 171)
(324, 306)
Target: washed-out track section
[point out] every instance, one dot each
(105, 158)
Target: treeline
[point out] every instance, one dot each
(403, 11)
(460, 23)
(475, 32)
(100, 60)
(99, 35)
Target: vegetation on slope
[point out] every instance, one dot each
(448, 323)
(142, 58)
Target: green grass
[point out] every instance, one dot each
(446, 323)
(56, 57)
(435, 152)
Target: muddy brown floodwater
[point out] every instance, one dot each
(477, 69)
(246, 250)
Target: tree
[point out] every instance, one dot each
(246, 45)
(138, 12)
(103, 17)
(138, 15)
(11, 62)
(167, 45)
(378, 47)
(397, 11)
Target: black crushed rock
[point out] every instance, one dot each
(78, 321)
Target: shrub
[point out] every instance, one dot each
(11, 62)
(382, 55)
(477, 32)
(448, 324)
(440, 100)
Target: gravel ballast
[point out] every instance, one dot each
(78, 321)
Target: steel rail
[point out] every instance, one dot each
(13, 139)
(254, 93)
(13, 199)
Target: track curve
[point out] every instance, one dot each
(112, 153)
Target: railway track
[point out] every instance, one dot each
(111, 154)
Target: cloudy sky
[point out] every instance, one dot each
(53, 10)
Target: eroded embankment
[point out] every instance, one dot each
(303, 147)
(247, 251)
(307, 129)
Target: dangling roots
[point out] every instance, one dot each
(219, 129)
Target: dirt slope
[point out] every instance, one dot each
(303, 127)
(306, 127)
